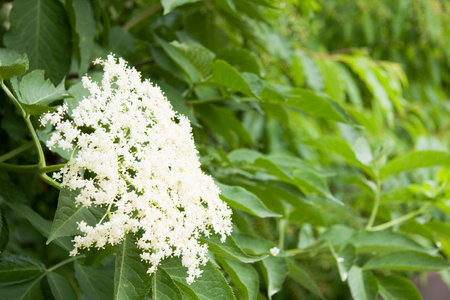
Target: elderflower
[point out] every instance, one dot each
(136, 158)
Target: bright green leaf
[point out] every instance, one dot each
(414, 160)
(383, 241)
(229, 249)
(363, 284)
(242, 199)
(170, 5)
(345, 259)
(12, 63)
(396, 287)
(42, 30)
(275, 270)
(244, 277)
(406, 261)
(226, 75)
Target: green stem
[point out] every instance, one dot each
(19, 168)
(376, 204)
(58, 265)
(282, 229)
(50, 181)
(13, 99)
(142, 16)
(16, 151)
(401, 219)
(37, 142)
(52, 168)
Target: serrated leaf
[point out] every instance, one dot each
(94, 283)
(406, 261)
(363, 284)
(12, 63)
(170, 5)
(17, 268)
(240, 198)
(275, 270)
(226, 75)
(244, 277)
(210, 286)
(121, 42)
(30, 290)
(229, 249)
(414, 160)
(60, 287)
(41, 29)
(131, 280)
(163, 287)
(34, 89)
(301, 276)
(253, 244)
(85, 32)
(396, 287)
(68, 215)
(305, 178)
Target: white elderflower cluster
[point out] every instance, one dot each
(137, 159)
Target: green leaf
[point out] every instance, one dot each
(383, 241)
(275, 270)
(396, 287)
(33, 90)
(315, 105)
(94, 282)
(178, 103)
(253, 244)
(244, 155)
(223, 122)
(17, 268)
(85, 32)
(68, 215)
(12, 63)
(301, 276)
(414, 160)
(30, 290)
(210, 286)
(163, 287)
(121, 42)
(244, 277)
(242, 59)
(131, 280)
(96, 255)
(363, 285)
(41, 29)
(305, 178)
(170, 5)
(240, 198)
(15, 198)
(229, 249)
(406, 261)
(226, 75)
(60, 287)
(345, 259)
(195, 61)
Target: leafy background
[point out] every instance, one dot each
(324, 123)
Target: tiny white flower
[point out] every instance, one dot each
(137, 159)
(274, 251)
